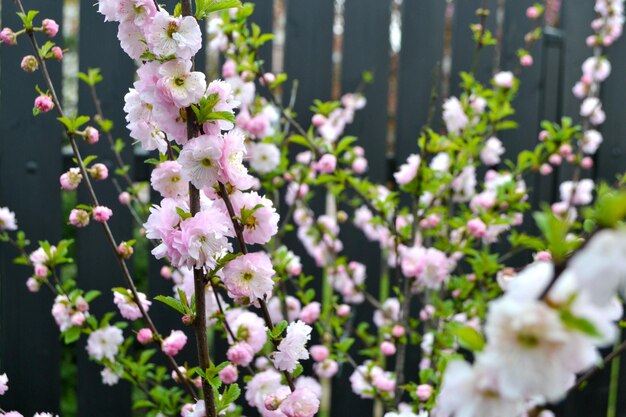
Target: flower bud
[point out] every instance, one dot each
(387, 348)
(29, 63)
(50, 27)
(8, 37)
(57, 52)
(144, 336)
(424, 391)
(99, 172)
(229, 374)
(102, 214)
(533, 13)
(79, 218)
(33, 285)
(526, 60)
(343, 310)
(319, 353)
(91, 135)
(44, 103)
(125, 250)
(124, 198)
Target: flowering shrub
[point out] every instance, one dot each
(494, 341)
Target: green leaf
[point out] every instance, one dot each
(206, 7)
(71, 335)
(172, 302)
(579, 323)
(345, 345)
(467, 337)
(92, 295)
(229, 396)
(300, 140)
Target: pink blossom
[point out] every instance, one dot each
(79, 218)
(7, 219)
(44, 103)
(33, 285)
(8, 37)
(240, 354)
(387, 348)
(326, 164)
(128, 305)
(319, 353)
(526, 60)
(91, 135)
(545, 169)
(532, 13)
(50, 27)
(261, 221)
(233, 152)
(577, 193)
(398, 331)
(424, 391)
(586, 163)
(200, 160)
(590, 141)
(293, 347)
(249, 277)
(179, 36)
(71, 179)
(229, 374)
(597, 69)
(326, 369)
(300, 403)
(408, 171)
(491, 152)
(476, 227)
(104, 343)
(167, 179)
(174, 343)
(4, 384)
(144, 336)
(102, 214)
(384, 382)
(203, 238)
(229, 69)
(504, 79)
(318, 120)
(454, 115)
(311, 312)
(343, 310)
(179, 85)
(264, 157)
(359, 165)
(124, 198)
(99, 172)
(29, 64)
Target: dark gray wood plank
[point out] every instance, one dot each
(263, 16)
(30, 165)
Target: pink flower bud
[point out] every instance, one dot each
(268, 78)
(586, 79)
(565, 149)
(166, 272)
(343, 310)
(504, 79)
(476, 227)
(44, 103)
(8, 37)
(545, 169)
(319, 353)
(543, 256)
(425, 363)
(79, 218)
(387, 348)
(183, 372)
(41, 271)
(102, 214)
(311, 312)
(424, 391)
(99, 172)
(318, 120)
(125, 250)
(57, 52)
(240, 354)
(144, 336)
(78, 319)
(229, 69)
(187, 319)
(50, 27)
(91, 135)
(586, 162)
(29, 63)
(456, 293)
(532, 13)
(359, 165)
(543, 135)
(555, 159)
(571, 158)
(526, 60)
(124, 198)
(33, 285)
(326, 164)
(82, 305)
(71, 179)
(397, 331)
(174, 343)
(186, 410)
(229, 374)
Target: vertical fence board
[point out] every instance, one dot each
(420, 58)
(263, 16)
(97, 266)
(308, 46)
(30, 164)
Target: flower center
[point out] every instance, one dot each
(172, 28)
(206, 162)
(527, 340)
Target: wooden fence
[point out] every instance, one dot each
(31, 159)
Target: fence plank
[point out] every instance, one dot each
(419, 60)
(97, 267)
(30, 164)
(308, 47)
(263, 16)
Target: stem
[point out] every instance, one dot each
(107, 230)
(621, 348)
(611, 410)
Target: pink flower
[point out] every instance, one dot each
(57, 52)
(50, 27)
(102, 214)
(526, 60)
(397, 331)
(180, 86)
(71, 179)
(174, 343)
(33, 285)
(532, 13)
(300, 403)
(29, 63)
(597, 69)
(124, 198)
(8, 37)
(491, 152)
(7, 219)
(343, 310)
(261, 220)
(79, 218)
(326, 164)
(229, 374)
(200, 160)
(318, 120)
(229, 69)
(476, 227)
(326, 369)
(41, 271)
(144, 336)
(408, 171)
(128, 306)
(591, 141)
(240, 354)
(454, 115)
(44, 103)
(233, 170)
(504, 79)
(387, 348)
(99, 172)
(91, 135)
(264, 157)
(293, 347)
(4, 384)
(579, 193)
(203, 238)
(424, 391)
(179, 36)
(249, 277)
(311, 312)
(167, 179)
(319, 353)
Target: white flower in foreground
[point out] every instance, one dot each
(293, 347)
(105, 343)
(454, 116)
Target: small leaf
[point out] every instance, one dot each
(172, 302)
